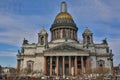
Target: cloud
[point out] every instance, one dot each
(97, 10)
(7, 54)
(115, 43)
(103, 19)
(17, 27)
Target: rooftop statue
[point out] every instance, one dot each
(25, 41)
(104, 41)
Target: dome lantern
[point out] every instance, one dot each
(63, 7)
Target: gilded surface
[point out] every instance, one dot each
(43, 31)
(87, 31)
(63, 15)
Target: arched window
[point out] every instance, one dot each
(88, 39)
(70, 33)
(29, 66)
(64, 34)
(42, 40)
(57, 34)
(101, 63)
(73, 34)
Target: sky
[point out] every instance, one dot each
(21, 19)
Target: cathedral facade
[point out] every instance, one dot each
(64, 54)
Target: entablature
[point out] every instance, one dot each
(66, 54)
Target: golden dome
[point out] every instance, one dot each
(63, 15)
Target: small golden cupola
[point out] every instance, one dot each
(43, 37)
(63, 26)
(43, 31)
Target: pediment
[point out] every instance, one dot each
(65, 48)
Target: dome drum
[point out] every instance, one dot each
(62, 26)
(64, 33)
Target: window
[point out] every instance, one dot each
(42, 40)
(88, 40)
(64, 34)
(70, 33)
(101, 63)
(29, 66)
(57, 34)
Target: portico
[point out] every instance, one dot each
(66, 65)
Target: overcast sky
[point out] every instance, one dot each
(21, 19)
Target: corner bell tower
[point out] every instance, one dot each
(43, 37)
(63, 28)
(87, 37)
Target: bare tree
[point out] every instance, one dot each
(100, 72)
(26, 71)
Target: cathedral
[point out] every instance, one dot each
(63, 54)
